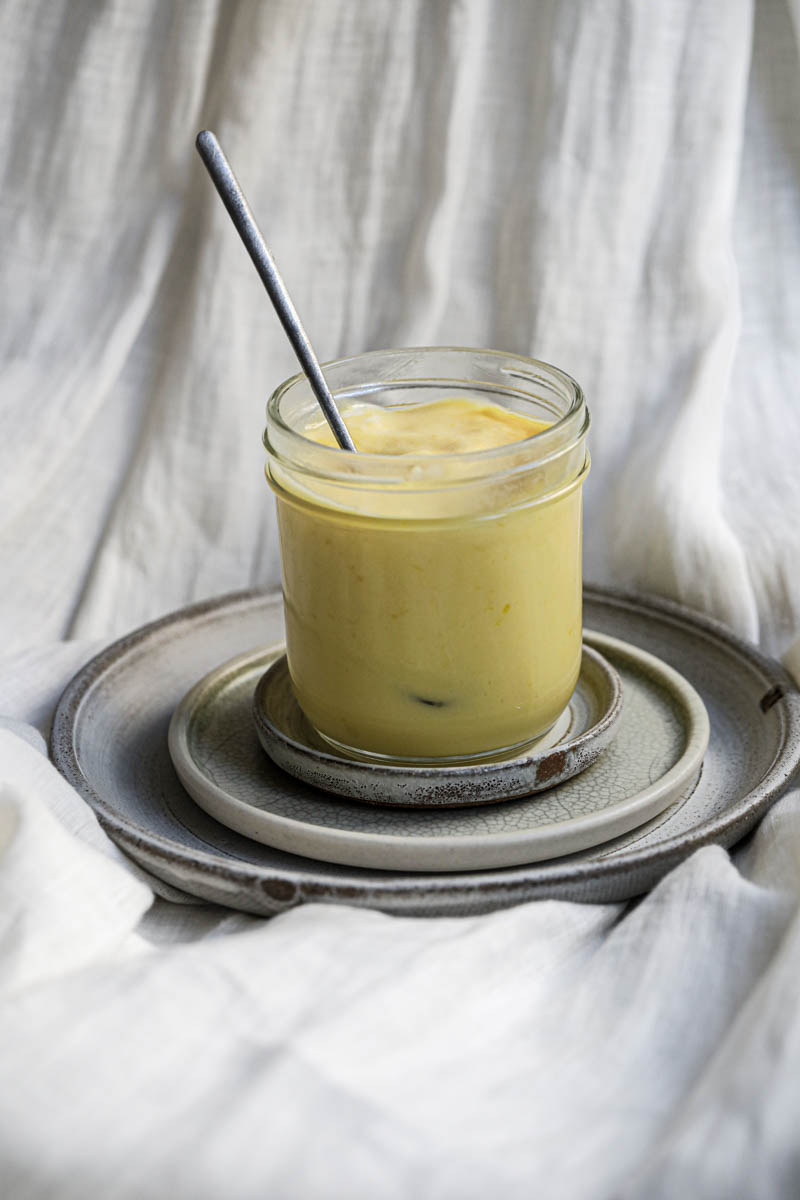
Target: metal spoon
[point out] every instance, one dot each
(232, 196)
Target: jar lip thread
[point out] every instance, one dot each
(334, 511)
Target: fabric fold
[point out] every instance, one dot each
(63, 903)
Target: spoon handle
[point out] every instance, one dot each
(232, 197)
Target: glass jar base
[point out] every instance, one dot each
(543, 741)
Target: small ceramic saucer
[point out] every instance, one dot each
(654, 760)
(578, 737)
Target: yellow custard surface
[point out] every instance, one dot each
(431, 630)
(454, 426)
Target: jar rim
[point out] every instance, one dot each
(566, 430)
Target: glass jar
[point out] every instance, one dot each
(432, 602)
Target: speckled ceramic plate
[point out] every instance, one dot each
(109, 739)
(655, 759)
(579, 736)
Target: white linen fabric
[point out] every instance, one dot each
(612, 186)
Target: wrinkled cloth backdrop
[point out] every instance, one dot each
(612, 186)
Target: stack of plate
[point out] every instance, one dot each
(678, 735)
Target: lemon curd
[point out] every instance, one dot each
(432, 582)
(456, 425)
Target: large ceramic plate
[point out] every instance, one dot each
(110, 741)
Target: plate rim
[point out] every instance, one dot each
(722, 829)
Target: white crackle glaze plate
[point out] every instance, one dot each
(654, 760)
(109, 739)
